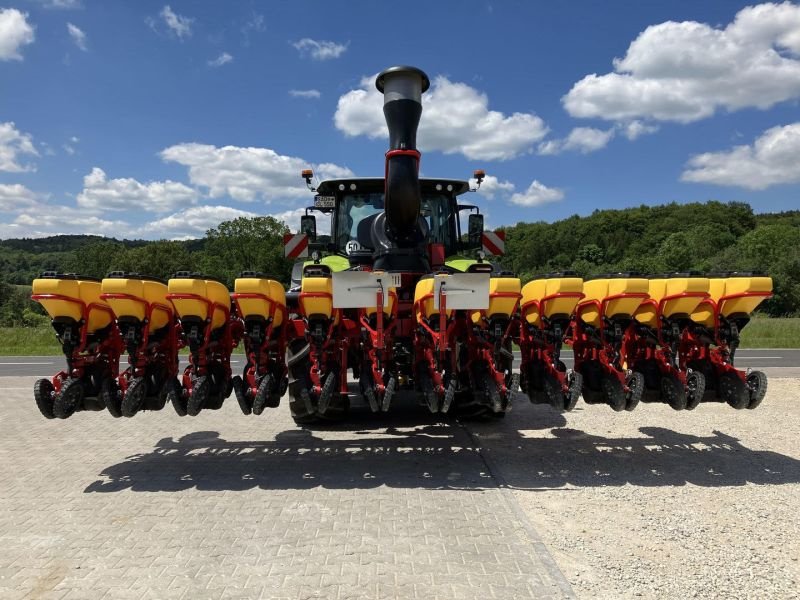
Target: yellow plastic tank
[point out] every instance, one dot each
(319, 305)
(424, 287)
(561, 285)
(739, 283)
(84, 289)
(532, 293)
(681, 283)
(647, 312)
(703, 314)
(148, 289)
(211, 290)
(620, 283)
(258, 307)
(500, 305)
(593, 289)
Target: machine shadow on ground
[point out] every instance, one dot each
(409, 450)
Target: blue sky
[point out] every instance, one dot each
(147, 119)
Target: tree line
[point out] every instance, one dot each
(711, 236)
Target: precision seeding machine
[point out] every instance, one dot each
(398, 303)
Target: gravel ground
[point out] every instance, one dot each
(657, 503)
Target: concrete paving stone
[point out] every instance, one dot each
(228, 506)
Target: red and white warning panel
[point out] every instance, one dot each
(295, 245)
(493, 243)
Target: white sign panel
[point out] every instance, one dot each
(359, 289)
(462, 291)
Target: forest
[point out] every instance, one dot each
(706, 237)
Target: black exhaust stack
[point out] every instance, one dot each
(402, 89)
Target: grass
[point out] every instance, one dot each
(28, 341)
(761, 332)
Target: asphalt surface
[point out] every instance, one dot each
(775, 362)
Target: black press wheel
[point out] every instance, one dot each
(734, 391)
(613, 392)
(757, 384)
(133, 400)
(695, 389)
(69, 398)
(673, 392)
(242, 394)
(109, 395)
(553, 391)
(635, 392)
(575, 382)
(199, 396)
(263, 393)
(175, 396)
(44, 394)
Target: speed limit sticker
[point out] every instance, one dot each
(352, 246)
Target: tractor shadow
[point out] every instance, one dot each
(404, 453)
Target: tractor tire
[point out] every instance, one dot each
(613, 393)
(43, 393)
(636, 386)
(734, 391)
(133, 400)
(242, 395)
(757, 384)
(201, 389)
(673, 392)
(261, 399)
(575, 380)
(110, 396)
(175, 396)
(696, 389)
(69, 399)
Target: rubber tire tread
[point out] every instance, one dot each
(134, 398)
(43, 395)
(201, 388)
(757, 396)
(68, 400)
(109, 395)
(695, 397)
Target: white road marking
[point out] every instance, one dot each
(26, 363)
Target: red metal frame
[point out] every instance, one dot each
(271, 348)
(109, 349)
(198, 365)
(169, 347)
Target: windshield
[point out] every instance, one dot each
(356, 212)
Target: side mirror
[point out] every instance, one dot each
(475, 230)
(308, 225)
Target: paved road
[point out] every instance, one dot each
(776, 362)
(228, 506)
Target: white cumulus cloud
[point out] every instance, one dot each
(246, 174)
(14, 144)
(15, 32)
(222, 59)
(687, 71)
(101, 193)
(536, 194)
(492, 187)
(307, 94)
(319, 49)
(16, 197)
(78, 36)
(774, 158)
(192, 222)
(580, 139)
(455, 120)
